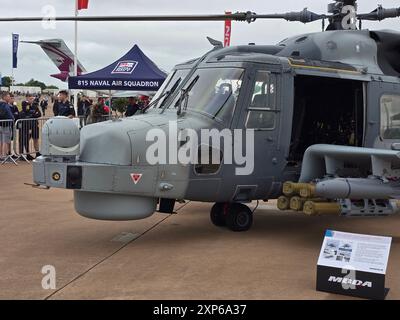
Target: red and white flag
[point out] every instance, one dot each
(83, 4)
(227, 31)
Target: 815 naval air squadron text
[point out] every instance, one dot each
(201, 309)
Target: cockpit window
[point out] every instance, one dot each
(264, 94)
(170, 84)
(390, 116)
(262, 114)
(214, 92)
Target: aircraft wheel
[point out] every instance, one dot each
(217, 215)
(239, 217)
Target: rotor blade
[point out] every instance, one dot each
(380, 14)
(239, 16)
(302, 16)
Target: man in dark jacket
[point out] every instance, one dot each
(34, 113)
(15, 111)
(5, 125)
(84, 104)
(65, 109)
(43, 105)
(28, 127)
(132, 107)
(13, 107)
(55, 105)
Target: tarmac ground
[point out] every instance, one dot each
(180, 256)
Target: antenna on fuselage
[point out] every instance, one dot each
(215, 43)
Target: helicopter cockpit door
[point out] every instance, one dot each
(263, 115)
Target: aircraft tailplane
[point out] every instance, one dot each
(61, 55)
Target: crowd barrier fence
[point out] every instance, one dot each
(22, 138)
(27, 137)
(6, 138)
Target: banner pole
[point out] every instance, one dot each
(12, 61)
(110, 106)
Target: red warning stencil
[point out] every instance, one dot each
(136, 177)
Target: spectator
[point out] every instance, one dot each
(15, 112)
(55, 105)
(132, 107)
(84, 104)
(29, 128)
(80, 107)
(34, 113)
(145, 101)
(98, 111)
(87, 105)
(65, 109)
(5, 128)
(43, 105)
(14, 109)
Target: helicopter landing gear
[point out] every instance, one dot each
(217, 214)
(236, 216)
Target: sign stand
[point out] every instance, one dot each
(353, 265)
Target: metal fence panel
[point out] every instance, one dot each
(22, 138)
(6, 138)
(27, 137)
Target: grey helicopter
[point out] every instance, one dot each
(323, 110)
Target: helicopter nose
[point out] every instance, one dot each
(106, 143)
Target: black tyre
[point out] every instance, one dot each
(217, 215)
(239, 217)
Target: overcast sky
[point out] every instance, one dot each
(166, 43)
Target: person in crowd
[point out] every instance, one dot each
(65, 109)
(34, 113)
(84, 104)
(15, 111)
(87, 102)
(28, 127)
(23, 130)
(98, 111)
(88, 109)
(36, 99)
(145, 101)
(5, 127)
(43, 105)
(132, 107)
(81, 113)
(55, 105)
(106, 109)
(14, 107)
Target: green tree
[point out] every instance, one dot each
(51, 87)
(36, 83)
(6, 81)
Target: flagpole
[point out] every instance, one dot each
(12, 61)
(76, 58)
